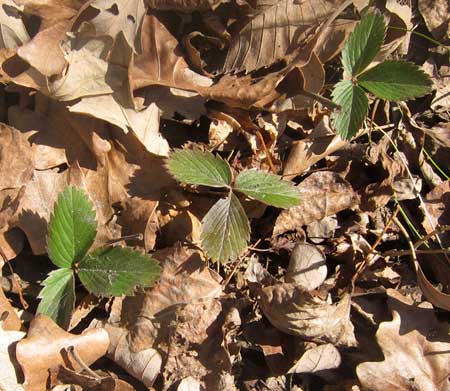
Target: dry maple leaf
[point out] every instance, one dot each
(45, 346)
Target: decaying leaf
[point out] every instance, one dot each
(297, 312)
(323, 194)
(46, 345)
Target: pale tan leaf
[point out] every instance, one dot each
(412, 360)
(307, 267)
(12, 321)
(8, 374)
(45, 347)
(323, 193)
(435, 13)
(120, 16)
(12, 30)
(295, 311)
(317, 359)
(278, 29)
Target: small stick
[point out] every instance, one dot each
(71, 349)
(399, 253)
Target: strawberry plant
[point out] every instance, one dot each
(107, 271)
(390, 80)
(225, 229)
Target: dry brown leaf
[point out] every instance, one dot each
(435, 13)
(316, 359)
(10, 319)
(186, 6)
(297, 312)
(437, 205)
(435, 297)
(8, 373)
(323, 193)
(413, 358)
(15, 171)
(51, 11)
(278, 29)
(307, 267)
(45, 347)
(184, 279)
(161, 61)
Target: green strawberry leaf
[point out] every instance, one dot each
(396, 80)
(267, 188)
(58, 296)
(363, 44)
(116, 271)
(225, 230)
(72, 227)
(199, 168)
(354, 106)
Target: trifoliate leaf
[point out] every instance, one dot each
(72, 228)
(354, 105)
(115, 271)
(199, 168)
(396, 80)
(225, 230)
(267, 188)
(363, 44)
(58, 296)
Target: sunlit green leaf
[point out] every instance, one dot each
(267, 188)
(116, 271)
(72, 227)
(363, 44)
(58, 296)
(396, 80)
(225, 230)
(199, 168)
(354, 106)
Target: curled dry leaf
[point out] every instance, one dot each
(307, 267)
(45, 346)
(144, 365)
(319, 358)
(297, 312)
(412, 360)
(323, 194)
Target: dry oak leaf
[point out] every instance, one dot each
(323, 194)
(45, 346)
(8, 374)
(437, 205)
(16, 158)
(12, 321)
(278, 29)
(295, 311)
(161, 61)
(411, 361)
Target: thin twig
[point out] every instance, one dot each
(399, 253)
(71, 350)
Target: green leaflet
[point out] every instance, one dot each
(199, 168)
(72, 228)
(58, 296)
(116, 271)
(354, 105)
(225, 230)
(363, 44)
(396, 80)
(267, 188)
